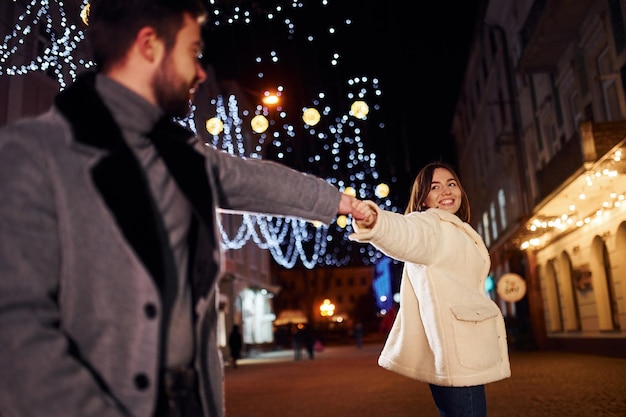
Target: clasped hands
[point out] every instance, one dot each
(363, 214)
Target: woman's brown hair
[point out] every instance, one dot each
(421, 188)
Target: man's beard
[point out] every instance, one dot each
(171, 91)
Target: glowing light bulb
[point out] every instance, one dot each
(382, 190)
(214, 126)
(259, 123)
(311, 116)
(350, 191)
(342, 221)
(359, 109)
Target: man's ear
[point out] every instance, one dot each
(149, 45)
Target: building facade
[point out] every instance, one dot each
(539, 127)
(331, 299)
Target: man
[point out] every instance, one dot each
(109, 251)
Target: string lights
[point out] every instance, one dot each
(335, 134)
(592, 190)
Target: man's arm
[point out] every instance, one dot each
(267, 187)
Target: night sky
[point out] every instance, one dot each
(418, 59)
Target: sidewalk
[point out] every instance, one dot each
(347, 382)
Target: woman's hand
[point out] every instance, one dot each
(368, 215)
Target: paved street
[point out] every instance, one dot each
(347, 382)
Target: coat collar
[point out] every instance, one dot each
(117, 175)
(120, 179)
(465, 227)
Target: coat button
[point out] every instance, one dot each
(150, 310)
(142, 382)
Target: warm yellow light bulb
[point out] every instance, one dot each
(342, 221)
(259, 123)
(359, 109)
(311, 116)
(382, 190)
(214, 126)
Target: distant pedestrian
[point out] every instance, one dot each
(235, 344)
(386, 323)
(297, 335)
(358, 334)
(309, 337)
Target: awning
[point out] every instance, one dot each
(290, 316)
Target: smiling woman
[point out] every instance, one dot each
(448, 332)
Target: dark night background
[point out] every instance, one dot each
(418, 58)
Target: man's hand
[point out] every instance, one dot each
(346, 206)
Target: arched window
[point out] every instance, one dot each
(494, 221)
(553, 297)
(502, 206)
(487, 235)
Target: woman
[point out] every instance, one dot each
(448, 332)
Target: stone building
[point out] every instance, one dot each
(539, 127)
(346, 291)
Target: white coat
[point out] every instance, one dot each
(447, 332)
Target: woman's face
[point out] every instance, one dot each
(445, 193)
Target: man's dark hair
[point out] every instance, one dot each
(114, 24)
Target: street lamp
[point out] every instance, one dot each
(270, 99)
(259, 123)
(327, 309)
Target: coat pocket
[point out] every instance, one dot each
(476, 335)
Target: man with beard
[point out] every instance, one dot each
(109, 248)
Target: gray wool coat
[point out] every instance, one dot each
(82, 260)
